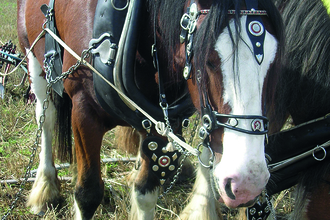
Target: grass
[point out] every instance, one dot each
(17, 135)
(8, 20)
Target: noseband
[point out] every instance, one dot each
(259, 124)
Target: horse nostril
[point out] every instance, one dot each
(228, 190)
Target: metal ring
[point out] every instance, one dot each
(185, 17)
(202, 134)
(207, 122)
(119, 9)
(211, 158)
(192, 26)
(185, 123)
(146, 124)
(325, 153)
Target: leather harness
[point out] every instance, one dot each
(122, 30)
(53, 52)
(114, 56)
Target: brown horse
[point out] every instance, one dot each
(228, 57)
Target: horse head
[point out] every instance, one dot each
(231, 71)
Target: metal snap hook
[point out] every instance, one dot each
(207, 122)
(203, 133)
(211, 158)
(146, 124)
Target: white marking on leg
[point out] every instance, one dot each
(46, 187)
(202, 204)
(143, 206)
(78, 215)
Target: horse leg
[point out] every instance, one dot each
(202, 204)
(46, 188)
(145, 191)
(88, 130)
(144, 194)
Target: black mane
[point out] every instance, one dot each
(218, 19)
(170, 12)
(304, 86)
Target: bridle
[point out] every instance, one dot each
(212, 120)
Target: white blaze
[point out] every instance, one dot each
(243, 155)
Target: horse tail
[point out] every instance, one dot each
(63, 131)
(127, 139)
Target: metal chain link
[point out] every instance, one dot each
(32, 156)
(185, 155)
(85, 54)
(269, 204)
(165, 111)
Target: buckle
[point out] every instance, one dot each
(184, 22)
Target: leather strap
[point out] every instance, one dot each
(53, 53)
(292, 142)
(256, 31)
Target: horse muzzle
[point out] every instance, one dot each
(240, 190)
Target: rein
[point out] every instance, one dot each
(161, 128)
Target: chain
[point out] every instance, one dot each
(269, 204)
(85, 54)
(48, 64)
(185, 155)
(32, 156)
(176, 176)
(165, 111)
